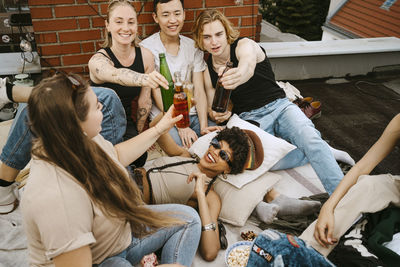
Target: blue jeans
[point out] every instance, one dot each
(272, 248)
(284, 119)
(179, 244)
(17, 150)
(194, 125)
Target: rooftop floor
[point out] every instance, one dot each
(355, 112)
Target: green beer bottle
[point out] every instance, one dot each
(167, 94)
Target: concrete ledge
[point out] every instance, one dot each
(338, 58)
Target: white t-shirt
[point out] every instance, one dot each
(187, 54)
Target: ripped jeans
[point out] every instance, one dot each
(272, 248)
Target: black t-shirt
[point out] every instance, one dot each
(125, 93)
(258, 91)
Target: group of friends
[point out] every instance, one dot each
(87, 201)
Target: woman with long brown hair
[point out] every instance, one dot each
(80, 206)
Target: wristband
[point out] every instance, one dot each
(9, 87)
(208, 227)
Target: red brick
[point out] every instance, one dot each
(54, 25)
(41, 12)
(145, 18)
(220, 3)
(49, 50)
(78, 69)
(248, 21)
(98, 45)
(189, 15)
(137, 6)
(83, 23)
(247, 32)
(150, 29)
(235, 21)
(148, 7)
(50, 61)
(241, 11)
(187, 27)
(49, 2)
(76, 59)
(87, 47)
(44, 38)
(99, 1)
(194, 4)
(98, 22)
(140, 31)
(103, 9)
(251, 2)
(79, 36)
(74, 11)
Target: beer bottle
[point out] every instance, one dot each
(180, 102)
(167, 94)
(188, 85)
(222, 95)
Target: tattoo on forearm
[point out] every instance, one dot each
(141, 113)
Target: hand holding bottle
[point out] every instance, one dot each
(154, 80)
(232, 78)
(167, 121)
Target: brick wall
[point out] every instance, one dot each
(68, 32)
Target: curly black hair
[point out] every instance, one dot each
(238, 142)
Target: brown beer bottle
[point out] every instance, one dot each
(222, 95)
(180, 102)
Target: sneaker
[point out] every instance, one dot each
(8, 198)
(312, 110)
(3, 93)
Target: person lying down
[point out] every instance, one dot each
(188, 180)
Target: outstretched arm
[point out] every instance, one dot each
(248, 53)
(384, 145)
(167, 143)
(131, 149)
(101, 69)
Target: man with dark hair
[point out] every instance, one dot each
(180, 53)
(155, 3)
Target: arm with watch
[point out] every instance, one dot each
(209, 208)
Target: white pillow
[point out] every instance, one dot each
(236, 211)
(274, 149)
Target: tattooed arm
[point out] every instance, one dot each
(144, 103)
(101, 69)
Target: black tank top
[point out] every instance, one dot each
(258, 91)
(125, 93)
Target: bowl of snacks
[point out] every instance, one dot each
(238, 253)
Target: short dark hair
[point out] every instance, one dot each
(238, 142)
(155, 2)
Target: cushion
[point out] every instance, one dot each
(274, 149)
(234, 209)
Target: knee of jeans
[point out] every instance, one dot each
(115, 261)
(188, 214)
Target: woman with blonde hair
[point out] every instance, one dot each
(80, 206)
(126, 68)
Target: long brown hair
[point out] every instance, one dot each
(107, 35)
(56, 107)
(208, 16)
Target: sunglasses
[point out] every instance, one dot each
(222, 153)
(222, 235)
